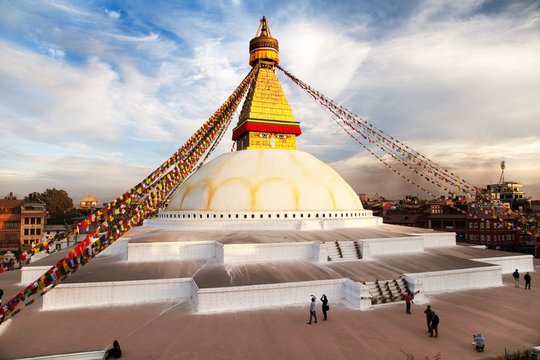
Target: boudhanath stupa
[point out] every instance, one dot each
(250, 236)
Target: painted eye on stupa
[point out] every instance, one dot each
(264, 135)
(281, 136)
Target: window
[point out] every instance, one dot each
(38, 231)
(38, 220)
(26, 232)
(12, 224)
(27, 221)
(32, 231)
(32, 220)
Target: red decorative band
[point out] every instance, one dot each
(270, 128)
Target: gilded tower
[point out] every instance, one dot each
(266, 120)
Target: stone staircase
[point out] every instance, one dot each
(387, 291)
(333, 251)
(343, 251)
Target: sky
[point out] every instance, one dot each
(94, 95)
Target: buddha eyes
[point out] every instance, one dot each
(266, 136)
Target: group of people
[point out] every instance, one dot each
(527, 279)
(313, 308)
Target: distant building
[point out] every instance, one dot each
(10, 223)
(510, 192)
(89, 202)
(33, 216)
(492, 228)
(21, 223)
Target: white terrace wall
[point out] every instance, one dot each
(140, 252)
(276, 295)
(29, 274)
(269, 252)
(267, 220)
(384, 246)
(68, 296)
(452, 280)
(508, 264)
(439, 239)
(118, 248)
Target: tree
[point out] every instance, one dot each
(58, 204)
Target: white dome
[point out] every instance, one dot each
(265, 180)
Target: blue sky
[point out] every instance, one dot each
(96, 94)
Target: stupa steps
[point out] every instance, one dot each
(343, 251)
(388, 290)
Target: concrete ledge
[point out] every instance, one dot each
(267, 220)
(160, 251)
(385, 246)
(453, 280)
(276, 295)
(239, 253)
(29, 274)
(69, 296)
(508, 264)
(439, 239)
(88, 355)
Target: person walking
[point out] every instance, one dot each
(527, 279)
(1, 294)
(325, 306)
(408, 302)
(429, 317)
(312, 310)
(515, 274)
(434, 326)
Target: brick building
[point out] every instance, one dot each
(21, 223)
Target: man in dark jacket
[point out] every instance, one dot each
(527, 279)
(434, 325)
(515, 274)
(429, 317)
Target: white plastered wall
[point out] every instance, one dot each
(439, 239)
(508, 264)
(277, 295)
(384, 246)
(452, 280)
(29, 274)
(159, 251)
(68, 296)
(269, 252)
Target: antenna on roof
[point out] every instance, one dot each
(501, 178)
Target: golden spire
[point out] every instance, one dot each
(263, 46)
(266, 120)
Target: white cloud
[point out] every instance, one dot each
(112, 14)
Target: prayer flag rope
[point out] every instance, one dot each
(135, 206)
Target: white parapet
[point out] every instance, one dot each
(29, 274)
(439, 239)
(87, 355)
(118, 248)
(385, 246)
(508, 264)
(80, 295)
(265, 220)
(453, 280)
(212, 300)
(160, 251)
(238, 253)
